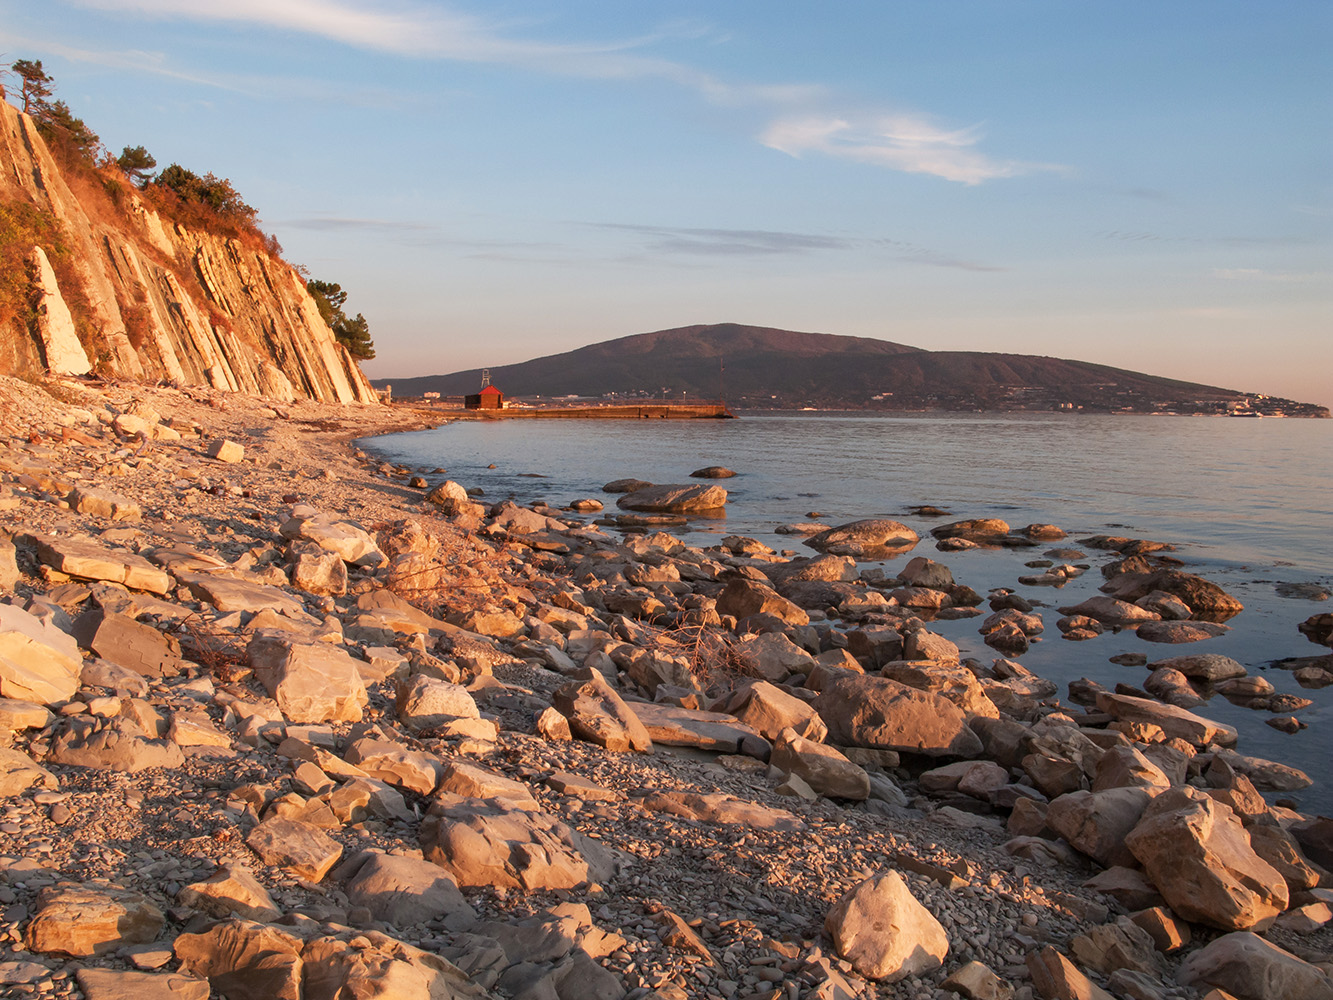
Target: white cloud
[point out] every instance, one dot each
(410, 28)
(435, 32)
(900, 142)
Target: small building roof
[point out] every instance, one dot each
(490, 390)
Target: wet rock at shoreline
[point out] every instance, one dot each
(673, 499)
(626, 485)
(880, 713)
(871, 538)
(1197, 854)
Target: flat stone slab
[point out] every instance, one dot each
(300, 848)
(228, 594)
(687, 727)
(81, 557)
(721, 809)
(115, 984)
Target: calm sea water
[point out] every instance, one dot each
(1246, 502)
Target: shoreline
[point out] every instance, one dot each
(696, 900)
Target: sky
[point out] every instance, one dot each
(1144, 184)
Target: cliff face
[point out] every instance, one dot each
(159, 300)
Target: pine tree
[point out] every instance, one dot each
(35, 85)
(353, 334)
(138, 163)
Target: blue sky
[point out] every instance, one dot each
(1143, 184)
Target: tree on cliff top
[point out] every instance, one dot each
(353, 334)
(137, 163)
(35, 85)
(63, 131)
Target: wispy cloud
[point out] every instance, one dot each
(262, 87)
(763, 242)
(798, 119)
(912, 144)
(1261, 275)
(1212, 312)
(423, 234)
(436, 32)
(1140, 236)
(332, 223)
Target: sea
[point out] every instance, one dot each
(1245, 502)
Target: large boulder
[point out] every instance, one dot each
(743, 598)
(1198, 855)
(774, 657)
(230, 891)
(1207, 600)
(91, 921)
(244, 960)
(881, 713)
(880, 928)
(770, 710)
(396, 764)
(118, 745)
(120, 984)
(1177, 723)
(1096, 822)
(1210, 667)
(673, 726)
(311, 682)
(404, 891)
(304, 850)
(982, 530)
(675, 499)
(821, 767)
(491, 842)
(598, 715)
(374, 966)
(871, 538)
(1110, 611)
(924, 572)
(19, 772)
(424, 702)
(1250, 968)
(346, 540)
(127, 643)
(38, 662)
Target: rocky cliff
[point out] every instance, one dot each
(138, 296)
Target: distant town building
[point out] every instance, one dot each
(490, 398)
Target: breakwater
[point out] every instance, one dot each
(627, 411)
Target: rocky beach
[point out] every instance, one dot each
(279, 719)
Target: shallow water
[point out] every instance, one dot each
(1246, 502)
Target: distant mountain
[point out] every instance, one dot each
(751, 366)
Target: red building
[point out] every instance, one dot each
(490, 398)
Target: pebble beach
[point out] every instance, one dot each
(281, 719)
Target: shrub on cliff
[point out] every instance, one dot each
(353, 334)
